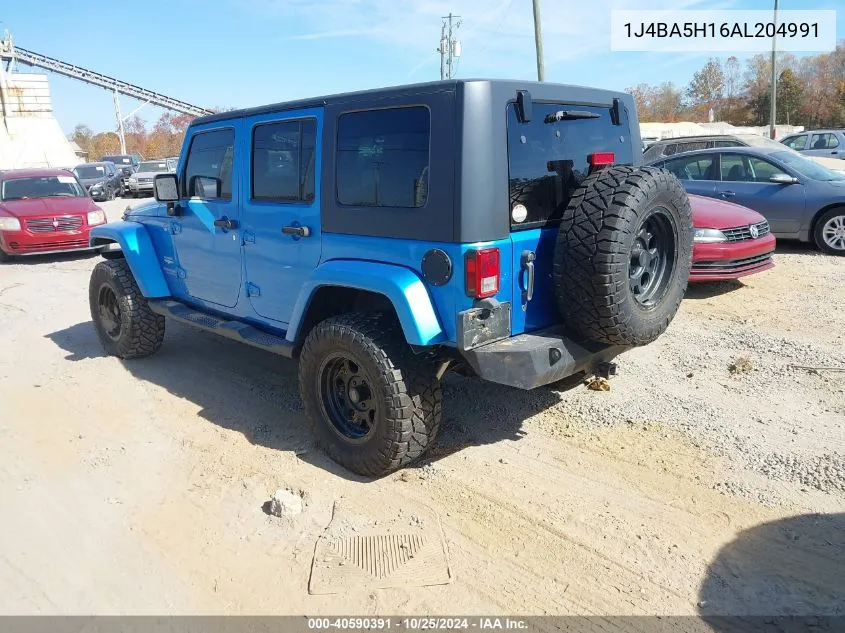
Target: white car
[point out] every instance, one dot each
(141, 182)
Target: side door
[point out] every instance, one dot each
(824, 144)
(698, 173)
(206, 234)
(746, 180)
(281, 207)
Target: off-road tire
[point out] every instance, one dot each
(405, 388)
(141, 331)
(592, 260)
(818, 229)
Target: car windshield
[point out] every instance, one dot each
(90, 171)
(41, 187)
(153, 165)
(118, 160)
(807, 167)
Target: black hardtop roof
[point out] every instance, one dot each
(539, 91)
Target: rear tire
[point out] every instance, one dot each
(373, 406)
(125, 325)
(829, 232)
(623, 255)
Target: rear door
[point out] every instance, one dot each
(698, 173)
(206, 235)
(281, 208)
(547, 160)
(745, 181)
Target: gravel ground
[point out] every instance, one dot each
(716, 448)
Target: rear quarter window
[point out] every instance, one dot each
(383, 157)
(548, 158)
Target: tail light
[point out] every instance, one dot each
(597, 160)
(482, 272)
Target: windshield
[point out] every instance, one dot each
(90, 171)
(118, 160)
(153, 165)
(548, 157)
(807, 167)
(41, 187)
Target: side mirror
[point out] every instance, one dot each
(166, 188)
(783, 179)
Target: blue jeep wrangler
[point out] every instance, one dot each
(383, 238)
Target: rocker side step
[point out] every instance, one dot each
(234, 330)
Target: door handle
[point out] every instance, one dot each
(299, 231)
(835, 152)
(727, 194)
(527, 262)
(226, 224)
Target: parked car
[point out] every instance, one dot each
(672, 146)
(828, 143)
(730, 241)
(384, 238)
(44, 211)
(102, 180)
(127, 163)
(141, 182)
(799, 198)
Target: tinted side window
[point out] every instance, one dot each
(725, 144)
(796, 142)
(733, 168)
(823, 141)
(692, 146)
(383, 157)
(762, 170)
(698, 167)
(208, 168)
(283, 161)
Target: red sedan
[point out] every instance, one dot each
(730, 241)
(44, 211)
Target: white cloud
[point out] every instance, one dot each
(497, 36)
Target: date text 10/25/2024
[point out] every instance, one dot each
(417, 624)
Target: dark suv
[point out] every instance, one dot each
(499, 229)
(127, 164)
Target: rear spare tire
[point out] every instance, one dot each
(623, 255)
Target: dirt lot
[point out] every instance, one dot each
(139, 487)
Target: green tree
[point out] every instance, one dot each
(789, 91)
(707, 87)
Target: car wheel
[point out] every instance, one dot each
(125, 325)
(373, 406)
(829, 234)
(623, 255)
(5, 257)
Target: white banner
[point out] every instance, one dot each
(721, 30)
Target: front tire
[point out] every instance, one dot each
(5, 257)
(373, 406)
(125, 325)
(829, 233)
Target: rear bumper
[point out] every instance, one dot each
(532, 360)
(717, 262)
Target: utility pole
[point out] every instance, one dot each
(450, 48)
(120, 133)
(538, 41)
(774, 111)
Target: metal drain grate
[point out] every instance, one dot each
(381, 555)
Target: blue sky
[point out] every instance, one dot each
(249, 52)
